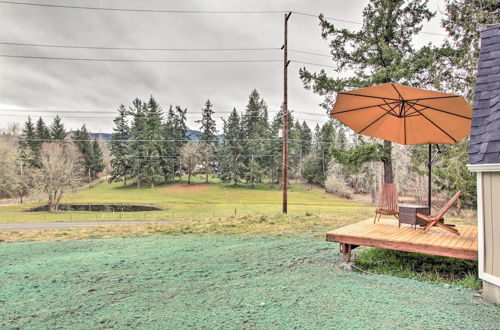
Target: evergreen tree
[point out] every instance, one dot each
(255, 127)
(29, 145)
(275, 147)
(57, 131)
(170, 150)
(456, 62)
(315, 166)
(381, 51)
(231, 164)
(208, 135)
(294, 147)
(82, 141)
(97, 164)
(175, 134)
(153, 145)
(306, 139)
(138, 134)
(121, 163)
(42, 131)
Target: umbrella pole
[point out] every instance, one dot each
(429, 183)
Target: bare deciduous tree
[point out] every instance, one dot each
(190, 157)
(9, 173)
(61, 168)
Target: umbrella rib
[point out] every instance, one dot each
(362, 108)
(392, 108)
(373, 122)
(369, 96)
(401, 97)
(434, 98)
(440, 110)
(442, 130)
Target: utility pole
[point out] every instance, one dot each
(285, 115)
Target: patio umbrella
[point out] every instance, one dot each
(405, 115)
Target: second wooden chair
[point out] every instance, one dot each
(388, 201)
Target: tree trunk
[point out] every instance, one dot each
(189, 177)
(58, 200)
(388, 176)
(206, 170)
(138, 182)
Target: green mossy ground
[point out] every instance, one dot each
(216, 281)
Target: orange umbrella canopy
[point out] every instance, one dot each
(405, 115)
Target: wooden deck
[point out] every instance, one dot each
(387, 235)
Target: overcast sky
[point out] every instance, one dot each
(38, 84)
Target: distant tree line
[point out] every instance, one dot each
(47, 160)
(35, 135)
(150, 146)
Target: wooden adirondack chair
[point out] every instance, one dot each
(387, 202)
(434, 220)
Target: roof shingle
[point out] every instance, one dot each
(484, 145)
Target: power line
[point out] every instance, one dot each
(316, 64)
(197, 116)
(168, 11)
(143, 10)
(356, 22)
(8, 43)
(157, 61)
(85, 111)
(135, 60)
(330, 18)
(308, 53)
(136, 48)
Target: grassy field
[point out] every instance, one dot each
(216, 281)
(313, 213)
(199, 201)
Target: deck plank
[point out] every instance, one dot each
(387, 234)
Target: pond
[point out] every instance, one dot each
(98, 208)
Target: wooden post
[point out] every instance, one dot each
(285, 115)
(346, 251)
(429, 180)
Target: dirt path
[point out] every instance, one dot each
(66, 225)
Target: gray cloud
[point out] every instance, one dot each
(63, 85)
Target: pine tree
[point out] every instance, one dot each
(82, 141)
(294, 147)
(208, 135)
(30, 145)
(97, 163)
(315, 165)
(231, 164)
(381, 51)
(255, 127)
(275, 147)
(57, 131)
(169, 147)
(120, 149)
(456, 62)
(42, 131)
(138, 153)
(153, 145)
(306, 139)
